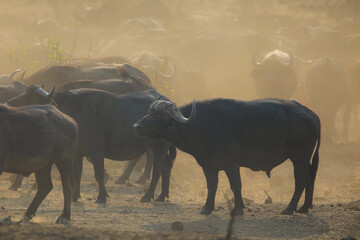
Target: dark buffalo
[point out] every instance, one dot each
(32, 140)
(110, 85)
(105, 131)
(11, 90)
(326, 86)
(61, 74)
(275, 75)
(225, 134)
(118, 87)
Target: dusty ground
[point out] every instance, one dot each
(336, 213)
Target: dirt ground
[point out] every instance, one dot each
(336, 213)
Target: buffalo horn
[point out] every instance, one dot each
(22, 76)
(255, 64)
(170, 76)
(13, 73)
(174, 112)
(52, 91)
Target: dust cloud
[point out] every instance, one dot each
(201, 49)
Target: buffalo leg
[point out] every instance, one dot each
(301, 172)
(98, 162)
(68, 183)
(149, 164)
(129, 168)
(309, 190)
(159, 158)
(211, 176)
(17, 183)
(165, 175)
(43, 178)
(106, 175)
(78, 167)
(233, 175)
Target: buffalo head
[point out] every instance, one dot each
(275, 75)
(162, 118)
(33, 95)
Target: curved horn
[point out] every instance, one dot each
(170, 76)
(254, 63)
(13, 73)
(52, 91)
(174, 112)
(22, 76)
(42, 85)
(193, 113)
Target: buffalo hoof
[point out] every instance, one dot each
(101, 200)
(287, 211)
(160, 199)
(14, 187)
(62, 220)
(26, 218)
(120, 180)
(303, 209)
(206, 210)
(146, 198)
(238, 211)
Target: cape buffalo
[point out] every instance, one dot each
(11, 90)
(111, 85)
(32, 139)
(119, 87)
(158, 67)
(275, 75)
(225, 134)
(61, 74)
(327, 87)
(105, 131)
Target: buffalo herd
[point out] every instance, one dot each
(118, 115)
(123, 109)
